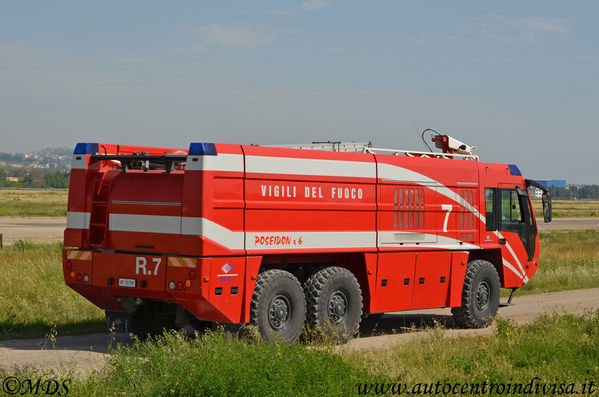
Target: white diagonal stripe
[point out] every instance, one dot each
(400, 174)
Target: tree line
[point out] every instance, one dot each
(575, 192)
(35, 178)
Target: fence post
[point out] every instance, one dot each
(1, 241)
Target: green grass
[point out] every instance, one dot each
(563, 347)
(568, 260)
(568, 209)
(21, 203)
(34, 299)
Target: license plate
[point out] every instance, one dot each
(127, 282)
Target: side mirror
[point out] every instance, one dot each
(547, 215)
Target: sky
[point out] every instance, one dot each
(518, 79)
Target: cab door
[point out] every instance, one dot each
(512, 220)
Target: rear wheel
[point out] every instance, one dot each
(480, 296)
(334, 301)
(278, 307)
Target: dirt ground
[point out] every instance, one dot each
(81, 353)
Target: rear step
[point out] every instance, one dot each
(509, 300)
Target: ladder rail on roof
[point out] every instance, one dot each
(331, 146)
(415, 153)
(366, 147)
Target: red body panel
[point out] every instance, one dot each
(405, 226)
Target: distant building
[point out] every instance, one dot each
(12, 178)
(536, 193)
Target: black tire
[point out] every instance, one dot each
(278, 307)
(334, 301)
(480, 296)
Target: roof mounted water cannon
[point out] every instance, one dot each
(451, 145)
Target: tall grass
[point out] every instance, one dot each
(19, 203)
(217, 364)
(34, 299)
(568, 260)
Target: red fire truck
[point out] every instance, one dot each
(284, 237)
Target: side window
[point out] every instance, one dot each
(510, 207)
(490, 210)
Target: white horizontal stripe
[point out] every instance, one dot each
(220, 162)
(295, 166)
(421, 240)
(394, 172)
(79, 162)
(286, 240)
(78, 220)
(213, 231)
(145, 223)
(143, 203)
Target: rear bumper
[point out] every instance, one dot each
(211, 288)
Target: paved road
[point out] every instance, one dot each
(37, 229)
(80, 353)
(40, 229)
(569, 224)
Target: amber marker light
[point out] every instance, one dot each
(72, 274)
(187, 283)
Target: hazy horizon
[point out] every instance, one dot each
(519, 80)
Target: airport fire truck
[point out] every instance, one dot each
(283, 237)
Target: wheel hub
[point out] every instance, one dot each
(279, 312)
(483, 293)
(337, 307)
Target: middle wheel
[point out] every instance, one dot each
(334, 303)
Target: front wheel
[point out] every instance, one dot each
(480, 296)
(278, 307)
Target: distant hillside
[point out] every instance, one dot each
(57, 158)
